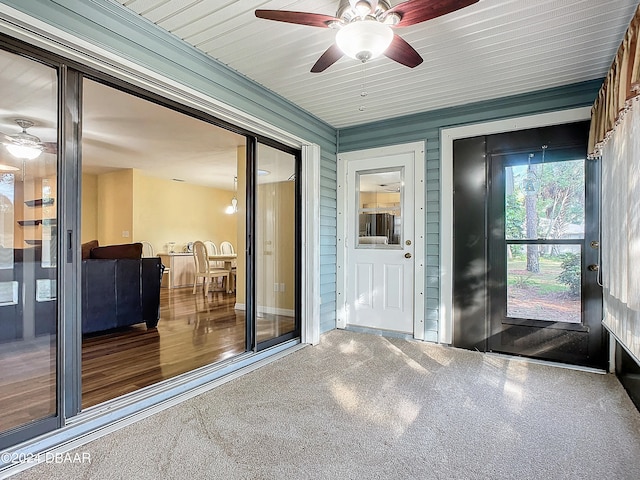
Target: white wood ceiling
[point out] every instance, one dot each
(491, 49)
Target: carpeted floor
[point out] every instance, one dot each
(361, 406)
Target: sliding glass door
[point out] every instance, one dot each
(155, 176)
(276, 245)
(104, 190)
(28, 248)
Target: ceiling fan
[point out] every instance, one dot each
(24, 145)
(365, 27)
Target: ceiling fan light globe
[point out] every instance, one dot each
(364, 40)
(25, 152)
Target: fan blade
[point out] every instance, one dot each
(4, 138)
(299, 18)
(416, 11)
(50, 147)
(328, 58)
(403, 53)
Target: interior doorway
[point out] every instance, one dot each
(525, 245)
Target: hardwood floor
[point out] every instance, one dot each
(193, 331)
(27, 381)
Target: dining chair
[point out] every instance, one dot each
(213, 250)
(226, 248)
(147, 250)
(204, 269)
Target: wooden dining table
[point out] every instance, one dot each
(228, 259)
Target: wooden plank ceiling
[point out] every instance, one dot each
(491, 49)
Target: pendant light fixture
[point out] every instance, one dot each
(233, 207)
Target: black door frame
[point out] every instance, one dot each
(477, 261)
(252, 166)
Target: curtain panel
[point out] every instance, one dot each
(620, 86)
(621, 231)
(615, 137)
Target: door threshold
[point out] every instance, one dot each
(380, 332)
(547, 363)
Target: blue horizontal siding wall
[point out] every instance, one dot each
(119, 30)
(426, 127)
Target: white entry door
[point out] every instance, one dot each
(380, 242)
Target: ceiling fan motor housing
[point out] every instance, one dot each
(24, 138)
(350, 10)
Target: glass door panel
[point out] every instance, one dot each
(541, 211)
(177, 181)
(551, 293)
(544, 220)
(379, 208)
(28, 247)
(276, 245)
(545, 201)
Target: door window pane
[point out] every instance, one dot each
(545, 200)
(28, 241)
(275, 243)
(552, 291)
(379, 207)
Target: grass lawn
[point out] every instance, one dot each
(544, 282)
(540, 296)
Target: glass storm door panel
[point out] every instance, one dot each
(28, 248)
(544, 231)
(276, 246)
(543, 217)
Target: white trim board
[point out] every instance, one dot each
(447, 136)
(418, 149)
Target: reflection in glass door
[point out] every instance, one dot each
(276, 246)
(28, 248)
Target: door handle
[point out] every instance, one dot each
(407, 255)
(594, 268)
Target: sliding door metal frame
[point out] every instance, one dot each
(296, 333)
(250, 238)
(44, 425)
(69, 264)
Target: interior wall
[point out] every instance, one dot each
(373, 199)
(426, 127)
(241, 226)
(168, 211)
(20, 194)
(275, 245)
(154, 210)
(89, 207)
(115, 207)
